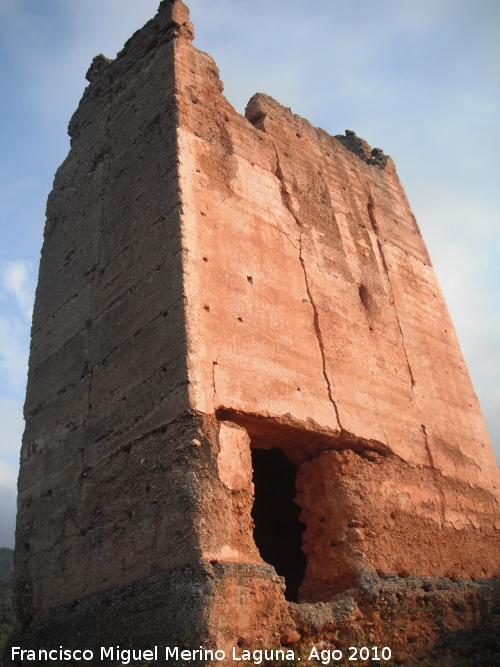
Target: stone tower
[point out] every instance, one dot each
(242, 366)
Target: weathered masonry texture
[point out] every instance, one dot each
(236, 323)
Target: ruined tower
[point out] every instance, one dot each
(242, 366)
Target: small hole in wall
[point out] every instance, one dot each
(365, 297)
(207, 308)
(240, 319)
(250, 279)
(278, 531)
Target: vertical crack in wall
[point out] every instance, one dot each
(442, 496)
(371, 214)
(373, 221)
(427, 448)
(90, 378)
(214, 364)
(285, 196)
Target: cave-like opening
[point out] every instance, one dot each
(278, 531)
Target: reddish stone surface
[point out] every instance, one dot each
(315, 320)
(241, 358)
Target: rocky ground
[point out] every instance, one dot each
(429, 621)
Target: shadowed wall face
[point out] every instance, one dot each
(240, 356)
(108, 365)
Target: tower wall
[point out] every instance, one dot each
(212, 285)
(315, 320)
(107, 374)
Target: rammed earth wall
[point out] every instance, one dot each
(242, 366)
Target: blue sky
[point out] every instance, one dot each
(418, 78)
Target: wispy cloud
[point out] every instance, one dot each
(11, 418)
(13, 354)
(17, 280)
(8, 476)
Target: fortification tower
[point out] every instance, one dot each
(236, 323)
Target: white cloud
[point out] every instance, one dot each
(17, 281)
(13, 354)
(8, 476)
(11, 418)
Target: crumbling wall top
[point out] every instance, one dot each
(175, 11)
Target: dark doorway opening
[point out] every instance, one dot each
(278, 531)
